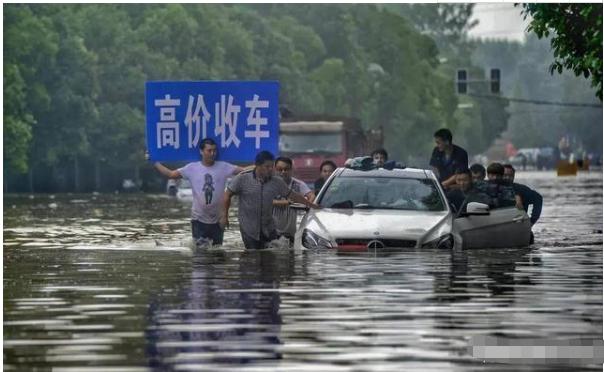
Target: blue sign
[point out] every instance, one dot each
(241, 116)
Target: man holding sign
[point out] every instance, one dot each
(242, 117)
(208, 179)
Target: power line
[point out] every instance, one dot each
(537, 102)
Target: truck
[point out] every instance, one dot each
(311, 139)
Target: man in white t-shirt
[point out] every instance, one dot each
(208, 179)
(284, 216)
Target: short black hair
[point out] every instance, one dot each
(286, 160)
(328, 162)
(264, 156)
(478, 168)
(510, 166)
(495, 168)
(206, 141)
(380, 152)
(444, 133)
(465, 171)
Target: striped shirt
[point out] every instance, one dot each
(285, 217)
(256, 202)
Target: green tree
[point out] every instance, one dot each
(17, 121)
(576, 37)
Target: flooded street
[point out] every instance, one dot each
(110, 283)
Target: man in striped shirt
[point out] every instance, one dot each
(256, 190)
(284, 216)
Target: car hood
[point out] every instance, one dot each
(373, 223)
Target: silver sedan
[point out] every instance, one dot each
(402, 208)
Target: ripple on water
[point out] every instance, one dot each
(120, 289)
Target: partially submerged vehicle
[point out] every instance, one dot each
(403, 208)
(181, 189)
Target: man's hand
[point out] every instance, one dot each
(224, 222)
(146, 155)
(281, 203)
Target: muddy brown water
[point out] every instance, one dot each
(110, 283)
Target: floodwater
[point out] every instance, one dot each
(110, 283)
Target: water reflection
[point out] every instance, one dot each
(110, 282)
(484, 272)
(229, 312)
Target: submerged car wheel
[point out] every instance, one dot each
(446, 242)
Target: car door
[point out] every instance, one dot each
(502, 227)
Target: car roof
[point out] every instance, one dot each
(414, 173)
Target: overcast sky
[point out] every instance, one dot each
(499, 20)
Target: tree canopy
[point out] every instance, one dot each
(74, 77)
(576, 40)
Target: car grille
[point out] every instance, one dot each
(388, 243)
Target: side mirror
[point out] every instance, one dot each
(298, 207)
(477, 209)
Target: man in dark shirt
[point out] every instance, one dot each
(479, 172)
(501, 192)
(447, 158)
(528, 195)
(458, 195)
(466, 191)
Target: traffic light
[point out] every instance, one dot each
(462, 81)
(495, 80)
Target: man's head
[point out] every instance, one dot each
(508, 173)
(380, 156)
(478, 172)
(495, 171)
(208, 150)
(327, 168)
(264, 162)
(283, 167)
(443, 139)
(463, 179)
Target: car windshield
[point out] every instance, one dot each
(328, 143)
(383, 193)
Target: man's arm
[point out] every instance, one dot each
(310, 196)
(280, 202)
(239, 169)
(449, 182)
(166, 171)
(226, 205)
(299, 198)
(518, 199)
(537, 206)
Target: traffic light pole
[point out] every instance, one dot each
(462, 81)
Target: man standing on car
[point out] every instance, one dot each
(447, 158)
(208, 179)
(256, 190)
(284, 216)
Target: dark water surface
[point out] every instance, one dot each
(110, 283)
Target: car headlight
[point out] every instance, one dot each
(313, 241)
(444, 242)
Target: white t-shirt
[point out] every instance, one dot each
(208, 184)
